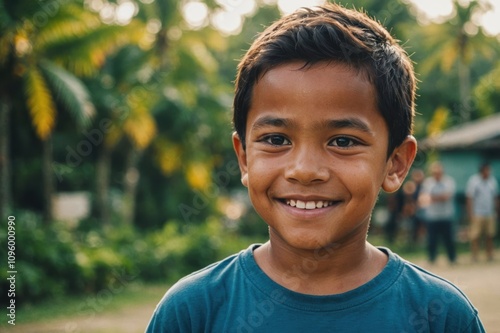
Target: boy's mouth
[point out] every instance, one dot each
(309, 204)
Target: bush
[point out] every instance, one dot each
(59, 260)
(45, 260)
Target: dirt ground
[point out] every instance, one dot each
(480, 282)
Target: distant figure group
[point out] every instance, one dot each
(427, 204)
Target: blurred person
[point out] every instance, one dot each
(482, 207)
(437, 195)
(414, 209)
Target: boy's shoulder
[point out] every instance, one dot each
(421, 282)
(191, 301)
(231, 292)
(208, 280)
(431, 298)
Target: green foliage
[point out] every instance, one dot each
(72, 93)
(166, 91)
(42, 257)
(487, 92)
(174, 251)
(63, 260)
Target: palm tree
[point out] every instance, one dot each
(127, 105)
(46, 56)
(486, 93)
(146, 83)
(456, 43)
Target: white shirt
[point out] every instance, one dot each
(439, 210)
(483, 193)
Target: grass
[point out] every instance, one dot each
(105, 301)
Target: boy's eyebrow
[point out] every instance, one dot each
(353, 123)
(270, 121)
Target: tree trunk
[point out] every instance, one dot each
(130, 181)
(465, 96)
(5, 189)
(47, 180)
(103, 168)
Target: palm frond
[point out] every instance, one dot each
(84, 55)
(40, 103)
(140, 128)
(114, 135)
(448, 58)
(487, 92)
(70, 91)
(125, 65)
(203, 57)
(70, 22)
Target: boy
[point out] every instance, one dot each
(323, 115)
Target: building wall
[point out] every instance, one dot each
(461, 165)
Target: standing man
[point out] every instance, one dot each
(437, 196)
(482, 205)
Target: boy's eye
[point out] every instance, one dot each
(343, 142)
(276, 140)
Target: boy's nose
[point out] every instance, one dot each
(307, 166)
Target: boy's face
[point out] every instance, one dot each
(316, 154)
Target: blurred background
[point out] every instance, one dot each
(115, 137)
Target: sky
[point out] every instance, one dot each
(229, 18)
(438, 10)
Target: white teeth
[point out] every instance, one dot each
(308, 204)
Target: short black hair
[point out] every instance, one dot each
(333, 33)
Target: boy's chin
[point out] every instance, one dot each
(317, 244)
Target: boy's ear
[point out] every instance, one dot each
(399, 164)
(242, 158)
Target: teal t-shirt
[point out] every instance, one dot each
(235, 295)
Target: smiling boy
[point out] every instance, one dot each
(323, 114)
(314, 160)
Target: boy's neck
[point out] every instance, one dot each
(328, 271)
